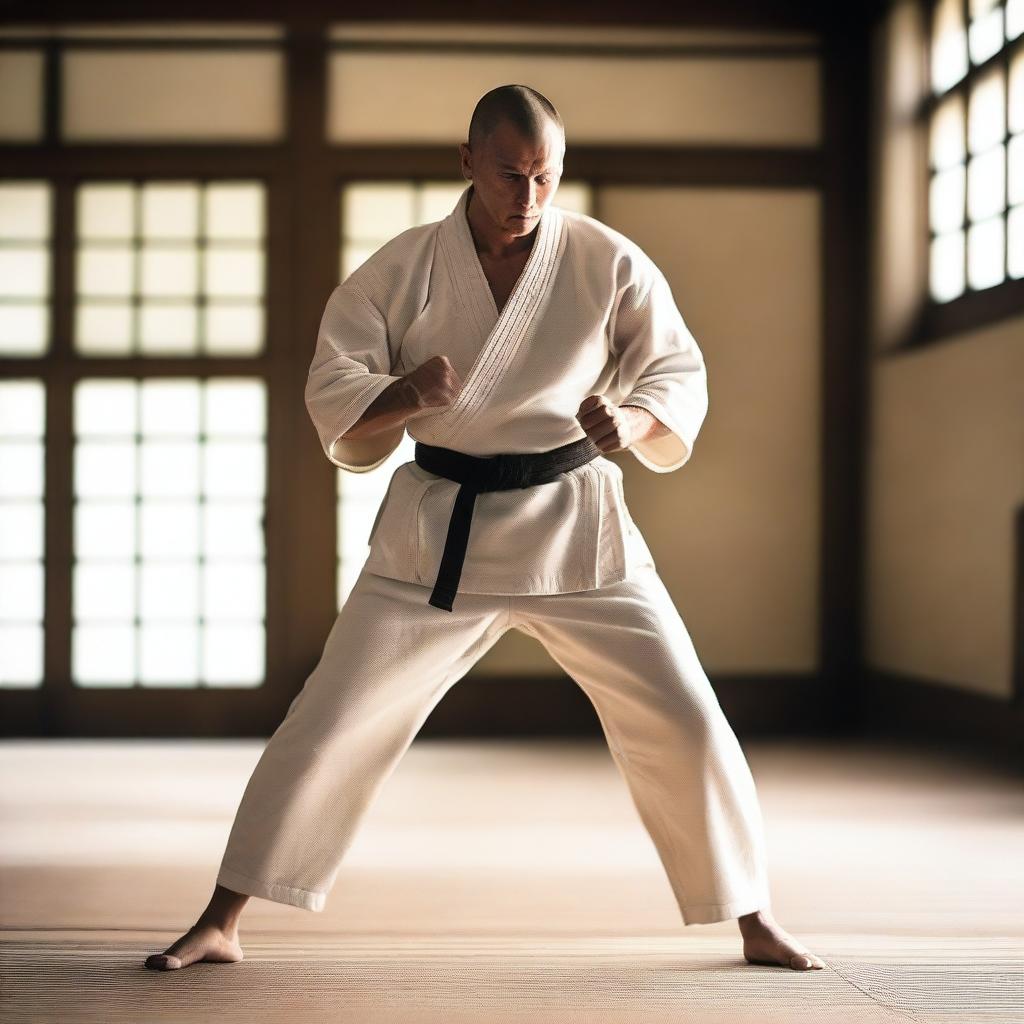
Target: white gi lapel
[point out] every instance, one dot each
(504, 334)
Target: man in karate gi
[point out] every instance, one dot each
(518, 343)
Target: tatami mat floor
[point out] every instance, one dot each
(512, 881)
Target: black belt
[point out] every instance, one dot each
(476, 474)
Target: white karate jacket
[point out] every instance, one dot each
(590, 314)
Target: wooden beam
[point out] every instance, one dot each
(845, 370)
(795, 15)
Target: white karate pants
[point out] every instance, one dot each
(389, 659)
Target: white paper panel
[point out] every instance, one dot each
(25, 211)
(423, 97)
(21, 95)
(170, 244)
(985, 35)
(986, 183)
(234, 96)
(1015, 114)
(986, 112)
(1015, 242)
(169, 532)
(946, 266)
(948, 45)
(947, 132)
(25, 266)
(946, 200)
(986, 253)
(22, 427)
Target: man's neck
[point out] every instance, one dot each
(489, 241)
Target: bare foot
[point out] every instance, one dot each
(202, 942)
(766, 942)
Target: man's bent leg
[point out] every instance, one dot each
(388, 660)
(627, 647)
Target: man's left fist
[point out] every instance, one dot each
(612, 427)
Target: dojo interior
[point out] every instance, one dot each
(836, 196)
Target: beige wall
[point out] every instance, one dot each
(744, 265)
(947, 474)
(946, 440)
(735, 532)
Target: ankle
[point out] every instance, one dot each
(753, 919)
(226, 925)
(224, 910)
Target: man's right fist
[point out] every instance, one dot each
(434, 383)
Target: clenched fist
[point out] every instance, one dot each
(613, 427)
(433, 383)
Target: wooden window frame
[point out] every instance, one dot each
(303, 176)
(974, 308)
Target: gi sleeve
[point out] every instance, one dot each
(661, 369)
(350, 368)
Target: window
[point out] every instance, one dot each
(976, 146)
(168, 577)
(141, 350)
(371, 214)
(169, 268)
(168, 472)
(25, 267)
(22, 423)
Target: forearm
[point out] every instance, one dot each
(398, 402)
(392, 407)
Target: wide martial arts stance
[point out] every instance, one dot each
(518, 343)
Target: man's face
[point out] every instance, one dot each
(515, 178)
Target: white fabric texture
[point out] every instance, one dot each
(590, 314)
(376, 682)
(563, 562)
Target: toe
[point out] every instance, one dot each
(163, 962)
(814, 963)
(800, 962)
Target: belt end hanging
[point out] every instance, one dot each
(443, 599)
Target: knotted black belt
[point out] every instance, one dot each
(476, 474)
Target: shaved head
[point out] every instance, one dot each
(514, 160)
(525, 108)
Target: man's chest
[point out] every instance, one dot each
(556, 334)
(502, 276)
